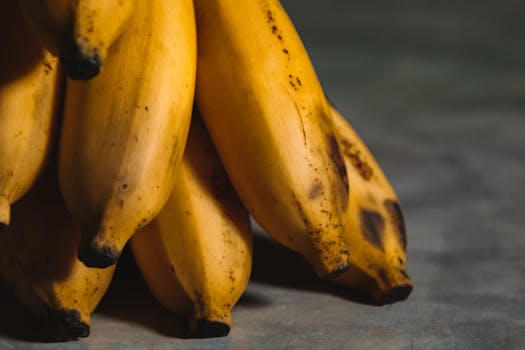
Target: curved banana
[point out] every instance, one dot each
(196, 255)
(124, 132)
(30, 94)
(375, 228)
(38, 260)
(80, 32)
(268, 117)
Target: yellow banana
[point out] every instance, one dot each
(196, 254)
(375, 228)
(268, 117)
(30, 93)
(38, 260)
(124, 132)
(80, 32)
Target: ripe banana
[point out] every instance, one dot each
(269, 119)
(80, 32)
(374, 227)
(30, 93)
(196, 255)
(124, 132)
(38, 260)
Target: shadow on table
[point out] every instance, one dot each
(129, 299)
(16, 322)
(276, 265)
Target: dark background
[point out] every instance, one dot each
(437, 91)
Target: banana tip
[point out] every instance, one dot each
(79, 65)
(98, 256)
(3, 226)
(211, 329)
(337, 272)
(66, 324)
(397, 293)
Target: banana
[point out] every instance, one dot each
(375, 228)
(30, 95)
(196, 254)
(38, 260)
(269, 119)
(80, 32)
(124, 132)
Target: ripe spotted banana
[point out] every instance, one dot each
(30, 94)
(268, 117)
(80, 32)
(38, 260)
(196, 255)
(124, 132)
(375, 228)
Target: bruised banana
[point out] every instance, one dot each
(374, 228)
(38, 261)
(30, 95)
(270, 122)
(80, 32)
(196, 255)
(124, 132)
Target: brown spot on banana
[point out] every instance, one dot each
(269, 16)
(404, 273)
(299, 114)
(396, 215)
(294, 81)
(337, 159)
(48, 66)
(315, 190)
(372, 227)
(355, 158)
(322, 245)
(270, 19)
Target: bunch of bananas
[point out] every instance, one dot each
(179, 119)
